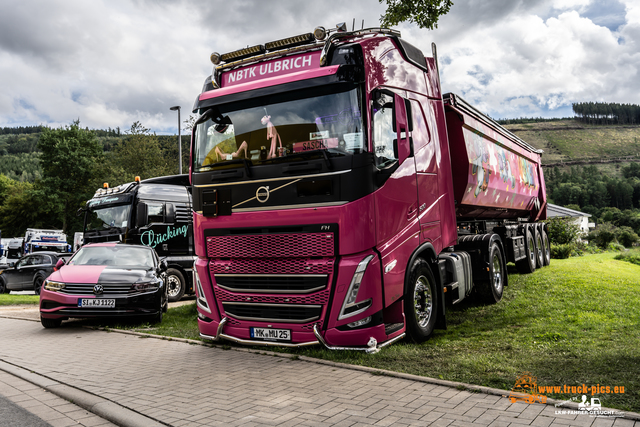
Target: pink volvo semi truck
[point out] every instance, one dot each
(341, 199)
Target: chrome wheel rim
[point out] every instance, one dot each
(497, 273)
(173, 286)
(422, 301)
(532, 253)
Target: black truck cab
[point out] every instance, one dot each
(154, 212)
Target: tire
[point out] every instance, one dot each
(491, 291)
(547, 248)
(420, 302)
(50, 323)
(175, 284)
(539, 249)
(37, 283)
(528, 264)
(3, 286)
(157, 318)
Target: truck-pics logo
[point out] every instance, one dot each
(525, 390)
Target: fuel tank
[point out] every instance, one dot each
(495, 173)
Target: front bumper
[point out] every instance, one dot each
(55, 305)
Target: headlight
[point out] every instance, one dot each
(52, 286)
(146, 286)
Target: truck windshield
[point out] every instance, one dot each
(108, 217)
(281, 127)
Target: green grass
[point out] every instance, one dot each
(8, 299)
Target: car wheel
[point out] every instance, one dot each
(156, 318)
(37, 283)
(528, 263)
(3, 286)
(175, 284)
(491, 290)
(420, 302)
(50, 323)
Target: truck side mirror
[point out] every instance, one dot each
(402, 128)
(141, 215)
(169, 213)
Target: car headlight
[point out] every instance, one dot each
(52, 286)
(146, 286)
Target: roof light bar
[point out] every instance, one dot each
(291, 41)
(242, 53)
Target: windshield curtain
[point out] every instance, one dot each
(120, 256)
(108, 217)
(279, 126)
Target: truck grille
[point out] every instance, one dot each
(272, 266)
(317, 298)
(271, 245)
(274, 312)
(280, 283)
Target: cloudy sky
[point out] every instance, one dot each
(109, 63)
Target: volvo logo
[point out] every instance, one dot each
(262, 194)
(98, 289)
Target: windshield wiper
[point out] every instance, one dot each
(325, 156)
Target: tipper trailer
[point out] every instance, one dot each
(341, 199)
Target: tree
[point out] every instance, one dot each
(71, 159)
(424, 13)
(140, 155)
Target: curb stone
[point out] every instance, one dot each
(97, 405)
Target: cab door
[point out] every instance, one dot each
(396, 201)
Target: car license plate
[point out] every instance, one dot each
(271, 334)
(97, 302)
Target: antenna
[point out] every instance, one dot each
(362, 25)
(353, 26)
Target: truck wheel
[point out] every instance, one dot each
(175, 284)
(37, 283)
(539, 249)
(50, 323)
(528, 263)
(491, 290)
(420, 302)
(547, 248)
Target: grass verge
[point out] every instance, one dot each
(15, 299)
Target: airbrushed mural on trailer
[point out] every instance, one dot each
(498, 177)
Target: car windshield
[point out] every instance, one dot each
(108, 217)
(120, 256)
(280, 126)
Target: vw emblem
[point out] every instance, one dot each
(262, 194)
(98, 289)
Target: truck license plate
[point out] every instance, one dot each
(271, 334)
(97, 302)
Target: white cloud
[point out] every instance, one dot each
(112, 62)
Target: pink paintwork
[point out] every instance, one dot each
(78, 274)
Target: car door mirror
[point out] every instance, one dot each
(163, 265)
(59, 264)
(12, 264)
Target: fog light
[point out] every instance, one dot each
(215, 58)
(319, 33)
(359, 322)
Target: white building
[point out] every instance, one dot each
(580, 218)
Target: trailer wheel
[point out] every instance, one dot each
(547, 248)
(175, 284)
(528, 263)
(491, 290)
(420, 302)
(539, 249)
